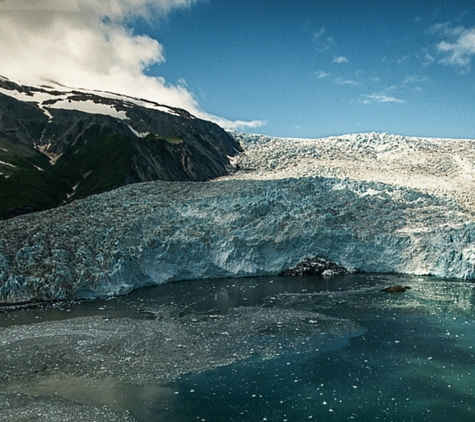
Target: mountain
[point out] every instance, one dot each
(369, 202)
(59, 144)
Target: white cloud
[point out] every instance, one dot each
(44, 5)
(87, 43)
(459, 47)
(413, 82)
(238, 124)
(341, 81)
(320, 74)
(379, 97)
(340, 59)
(414, 79)
(115, 9)
(323, 41)
(426, 58)
(404, 59)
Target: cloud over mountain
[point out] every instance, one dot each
(86, 43)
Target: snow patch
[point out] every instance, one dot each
(90, 107)
(7, 164)
(44, 150)
(47, 112)
(138, 134)
(164, 109)
(16, 94)
(69, 195)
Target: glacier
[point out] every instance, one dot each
(371, 202)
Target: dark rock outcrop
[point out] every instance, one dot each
(396, 289)
(315, 266)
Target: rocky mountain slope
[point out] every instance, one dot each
(58, 144)
(369, 202)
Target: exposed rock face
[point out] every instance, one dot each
(64, 145)
(315, 266)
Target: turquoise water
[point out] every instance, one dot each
(352, 353)
(411, 360)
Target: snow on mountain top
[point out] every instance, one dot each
(58, 96)
(432, 165)
(89, 106)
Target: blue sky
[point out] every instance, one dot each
(287, 68)
(318, 68)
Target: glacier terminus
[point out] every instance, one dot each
(370, 202)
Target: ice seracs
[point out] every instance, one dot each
(437, 166)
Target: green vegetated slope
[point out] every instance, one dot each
(101, 163)
(27, 183)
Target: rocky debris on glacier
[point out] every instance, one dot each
(370, 202)
(315, 266)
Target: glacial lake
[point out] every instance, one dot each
(254, 349)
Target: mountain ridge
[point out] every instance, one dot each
(95, 141)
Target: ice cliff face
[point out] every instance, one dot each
(370, 202)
